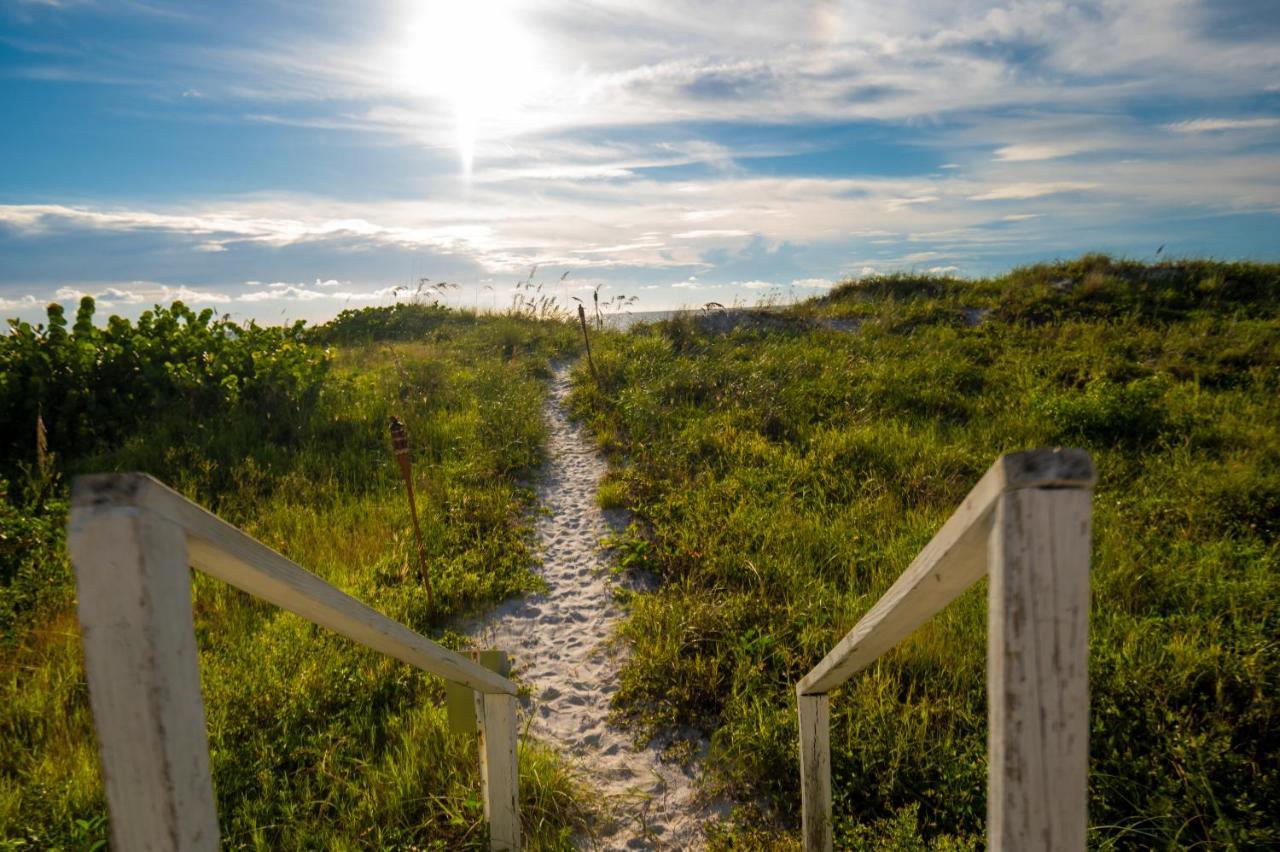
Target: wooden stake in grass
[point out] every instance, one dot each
(42, 443)
(582, 318)
(400, 441)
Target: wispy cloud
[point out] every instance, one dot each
(1028, 152)
(1028, 189)
(1213, 125)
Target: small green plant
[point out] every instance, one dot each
(611, 495)
(1107, 413)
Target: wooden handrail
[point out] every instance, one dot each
(1027, 524)
(131, 541)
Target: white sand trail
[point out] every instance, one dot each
(561, 649)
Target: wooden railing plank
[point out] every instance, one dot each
(223, 551)
(951, 562)
(1027, 523)
(132, 541)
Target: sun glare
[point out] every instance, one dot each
(480, 58)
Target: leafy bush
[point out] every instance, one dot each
(401, 321)
(33, 564)
(94, 387)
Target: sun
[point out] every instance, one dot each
(478, 56)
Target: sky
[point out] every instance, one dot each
(280, 160)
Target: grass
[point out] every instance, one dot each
(314, 742)
(783, 474)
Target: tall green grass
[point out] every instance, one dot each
(315, 742)
(785, 473)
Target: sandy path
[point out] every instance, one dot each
(559, 643)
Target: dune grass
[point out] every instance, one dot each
(315, 742)
(783, 474)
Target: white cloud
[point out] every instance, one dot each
(1030, 152)
(24, 302)
(187, 294)
(107, 296)
(899, 203)
(1030, 189)
(691, 283)
(369, 296)
(702, 235)
(282, 292)
(1212, 125)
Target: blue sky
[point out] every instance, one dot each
(279, 160)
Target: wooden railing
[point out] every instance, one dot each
(1026, 524)
(131, 541)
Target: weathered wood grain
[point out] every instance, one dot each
(951, 562)
(814, 712)
(1038, 671)
(500, 768)
(134, 591)
(223, 551)
(131, 541)
(1027, 524)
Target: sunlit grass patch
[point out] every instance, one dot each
(783, 476)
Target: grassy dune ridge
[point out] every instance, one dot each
(315, 742)
(785, 472)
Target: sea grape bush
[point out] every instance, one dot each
(401, 321)
(92, 387)
(32, 562)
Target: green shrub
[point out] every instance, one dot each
(401, 321)
(95, 387)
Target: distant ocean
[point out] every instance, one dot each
(626, 320)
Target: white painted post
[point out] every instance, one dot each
(815, 771)
(496, 723)
(1037, 670)
(134, 588)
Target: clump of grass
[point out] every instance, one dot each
(783, 476)
(315, 742)
(611, 494)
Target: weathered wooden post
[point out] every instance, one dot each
(582, 318)
(496, 719)
(815, 771)
(134, 590)
(1026, 525)
(132, 543)
(1038, 670)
